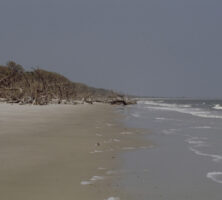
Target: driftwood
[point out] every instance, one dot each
(122, 101)
(118, 102)
(88, 100)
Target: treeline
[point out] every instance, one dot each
(41, 87)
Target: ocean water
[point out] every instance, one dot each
(185, 162)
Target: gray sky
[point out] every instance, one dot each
(144, 47)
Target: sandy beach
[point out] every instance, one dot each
(62, 151)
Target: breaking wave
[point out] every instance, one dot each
(218, 107)
(182, 108)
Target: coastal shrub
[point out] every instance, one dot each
(40, 86)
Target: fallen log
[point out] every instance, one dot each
(118, 102)
(123, 102)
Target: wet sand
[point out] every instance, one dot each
(63, 152)
(186, 161)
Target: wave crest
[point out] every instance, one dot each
(182, 108)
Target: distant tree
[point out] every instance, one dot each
(15, 67)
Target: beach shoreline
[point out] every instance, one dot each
(63, 151)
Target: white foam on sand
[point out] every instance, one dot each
(215, 158)
(160, 118)
(113, 198)
(114, 172)
(186, 109)
(97, 178)
(166, 119)
(202, 127)
(92, 180)
(215, 176)
(196, 141)
(86, 182)
(126, 133)
(169, 131)
(96, 151)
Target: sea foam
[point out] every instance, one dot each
(217, 107)
(113, 198)
(92, 180)
(216, 158)
(170, 131)
(86, 182)
(186, 109)
(215, 176)
(96, 178)
(196, 141)
(202, 127)
(126, 133)
(96, 151)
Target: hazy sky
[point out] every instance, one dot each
(144, 47)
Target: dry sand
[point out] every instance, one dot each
(62, 152)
